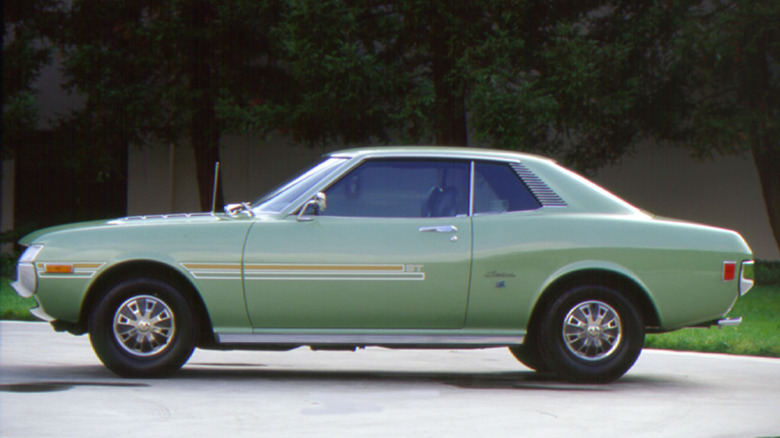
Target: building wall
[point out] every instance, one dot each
(723, 192)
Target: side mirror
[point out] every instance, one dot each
(233, 210)
(312, 207)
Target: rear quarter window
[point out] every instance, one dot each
(498, 189)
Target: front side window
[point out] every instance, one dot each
(498, 189)
(401, 188)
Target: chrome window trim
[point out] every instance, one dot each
(338, 173)
(543, 193)
(471, 188)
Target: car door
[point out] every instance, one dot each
(390, 251)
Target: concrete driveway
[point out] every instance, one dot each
(51, 384)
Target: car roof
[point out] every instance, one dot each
(581, 194)
(436, 152)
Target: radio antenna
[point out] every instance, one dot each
(214, 194)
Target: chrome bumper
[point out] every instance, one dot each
(746, 277)
(26, 284)
(26, 280)
(730, 322)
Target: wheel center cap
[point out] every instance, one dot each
(594, 331)
(143, 325)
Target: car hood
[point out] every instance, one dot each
(32, 237)
(123, 222)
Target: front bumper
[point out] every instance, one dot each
(26, 280)
(26, 277)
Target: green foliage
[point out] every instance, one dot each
(580, 89)
(158, 72)
(725, 85)
(767, 272)
(341, 88)
(582, 81)
(23, 57)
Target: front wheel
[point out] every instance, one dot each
(143, 328)
(591, 334)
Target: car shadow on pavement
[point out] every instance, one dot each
(529, 380)
(40, 378)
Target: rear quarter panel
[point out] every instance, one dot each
(517, 256)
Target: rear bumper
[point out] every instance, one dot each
(729, 322)
(746, 277)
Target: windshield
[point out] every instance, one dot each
(277, 199)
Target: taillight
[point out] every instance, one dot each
(729, 271)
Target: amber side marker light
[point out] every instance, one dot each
(729, 271)
(59, 269)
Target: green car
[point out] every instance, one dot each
(395, 247)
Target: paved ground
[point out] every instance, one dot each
(51, 384)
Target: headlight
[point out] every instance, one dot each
(26, 278)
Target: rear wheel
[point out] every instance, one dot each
(591, 334)
(143, 328)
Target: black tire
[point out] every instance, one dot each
(143, 327)
(591, 334)
(529, 354)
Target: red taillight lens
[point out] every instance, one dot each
(729, 271)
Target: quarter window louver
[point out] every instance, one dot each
(546, 196)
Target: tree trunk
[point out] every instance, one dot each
(204, 125)
(449, 119)
(205, 142)
(756, 79)
(767, 158)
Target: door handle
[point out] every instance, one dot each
(439, 229)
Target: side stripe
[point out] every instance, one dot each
(323, 272)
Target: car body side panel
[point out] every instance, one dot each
(180, 245)
(518, 255)
(371, 273)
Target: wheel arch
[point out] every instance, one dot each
(618, 281)
(148, 269)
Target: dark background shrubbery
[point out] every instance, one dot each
(767, 272)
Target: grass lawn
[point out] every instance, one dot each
(12, 306)
(759, 334)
